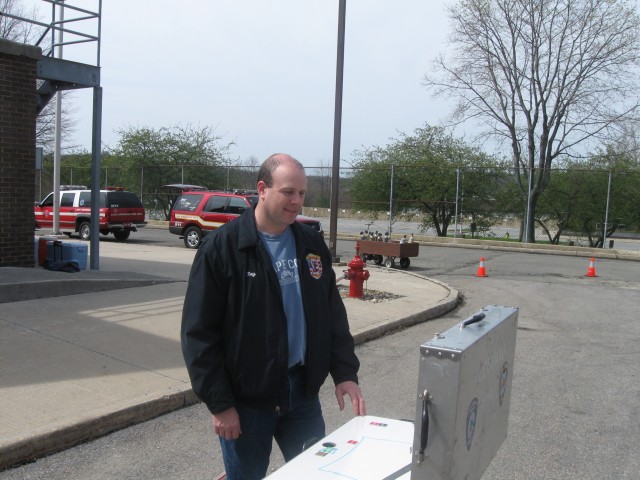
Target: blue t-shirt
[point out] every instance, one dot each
(282, 249)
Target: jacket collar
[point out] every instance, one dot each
(248, 232)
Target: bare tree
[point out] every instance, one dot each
(22, 31)
(14, 29)
(46, 123)
(546, 76)
(251, 162)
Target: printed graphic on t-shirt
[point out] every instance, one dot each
(287, 271)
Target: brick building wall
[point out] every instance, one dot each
(17, 152)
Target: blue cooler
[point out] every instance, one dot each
(63, 252)
(54, 252)
(75, 251)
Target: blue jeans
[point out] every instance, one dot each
(247, 458)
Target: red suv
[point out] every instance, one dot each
(197, 212)
(121, 212)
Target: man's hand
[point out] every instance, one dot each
(357, 400)
(227, 424)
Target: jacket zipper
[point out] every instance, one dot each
(266, 259)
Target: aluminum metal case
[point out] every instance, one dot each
(464, 393)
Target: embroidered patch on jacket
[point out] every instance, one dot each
(315, 265)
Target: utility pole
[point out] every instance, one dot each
(337, 129)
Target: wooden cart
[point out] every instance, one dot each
(370, 250)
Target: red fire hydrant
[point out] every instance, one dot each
(357, 275)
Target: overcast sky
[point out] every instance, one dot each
(262, 72)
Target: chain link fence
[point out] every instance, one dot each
(575, 207)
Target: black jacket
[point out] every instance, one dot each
(234, 329)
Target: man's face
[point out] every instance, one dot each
(281, 203)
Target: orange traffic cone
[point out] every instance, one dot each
(591, 272)
(481, 271)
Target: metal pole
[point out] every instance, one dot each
(606, 213)
(57, 139)
(40, 181)
(96, 155)
(99, 32)
(96, 145)
(391, 201)
(337, 128)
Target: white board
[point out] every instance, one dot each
(365, 448)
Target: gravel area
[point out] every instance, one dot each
(374, 296)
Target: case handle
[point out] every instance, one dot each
(424, 426)
(475, 319)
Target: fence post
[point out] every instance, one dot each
(606, 213)
(391, 200)
(455, 226)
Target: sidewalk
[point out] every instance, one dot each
(78, 366)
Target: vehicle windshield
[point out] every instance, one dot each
(188, 201)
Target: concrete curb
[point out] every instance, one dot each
(19, 291)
